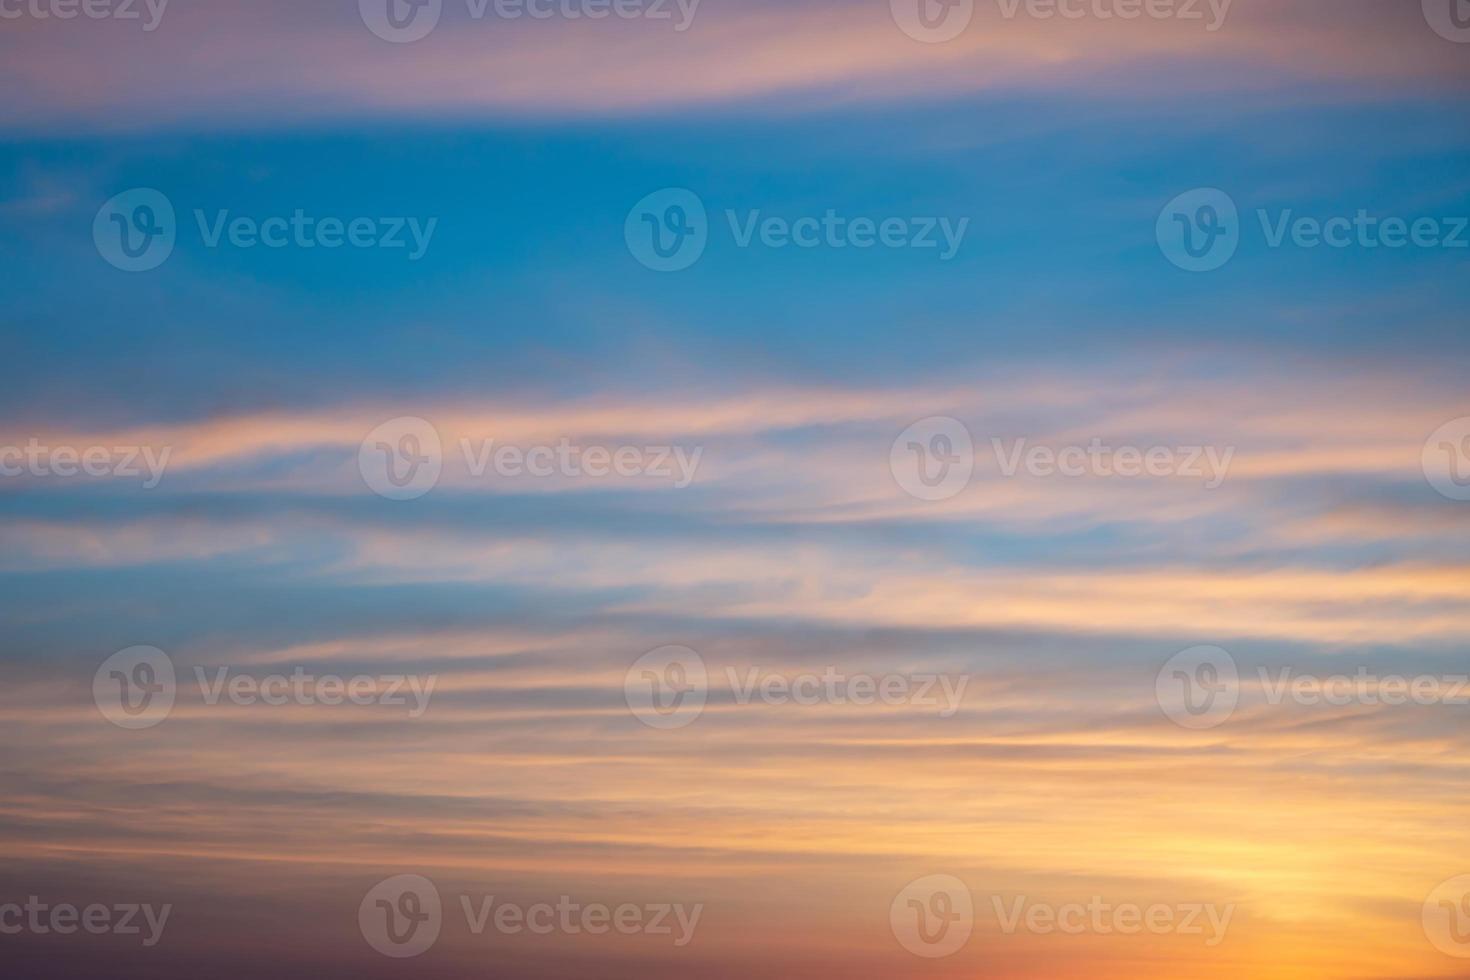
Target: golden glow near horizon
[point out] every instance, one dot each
(642, 489)
(1051, 783)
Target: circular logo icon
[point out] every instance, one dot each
(1449, 18)
(933, 916)
(400, 916)
(400, 21)
(933, 459)
(1199, 230)
(135, 230)
(667, 687)
(1198, 687)
(1446, 459)
(135, 688)
(402, 458)
(667, 230)
(1446, 917)
(932, 21)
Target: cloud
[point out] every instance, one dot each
(275, 62)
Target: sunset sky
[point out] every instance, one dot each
(1308, 400)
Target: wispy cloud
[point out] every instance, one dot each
(279, 61)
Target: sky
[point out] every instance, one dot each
(834, 488)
